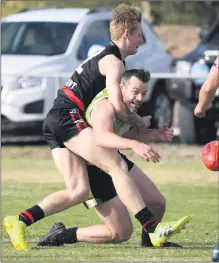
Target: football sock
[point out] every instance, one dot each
(147, 220)
(31, 215)
(68, 236)
(145, 239)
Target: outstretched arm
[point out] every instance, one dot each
(208, 90)
(163, 134)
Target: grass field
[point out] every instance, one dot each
(28, 175)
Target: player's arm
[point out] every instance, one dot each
(111, 67)
(143, 135)
(102, 119)
(209, 87)
(136, 134)
(164, 134)
(208, 90)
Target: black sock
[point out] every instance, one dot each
(31, 215)
(147, 220)
(145, 239)
(68, 236)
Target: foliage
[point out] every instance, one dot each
(197, 13)
(163, 12)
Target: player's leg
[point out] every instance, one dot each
(71, 167)
(156, 203)
(74, 172)
(116, 218)
(117, 224)
(111, 211)
(77, 191)
(116, 227)
(112, 163)
(153, 198)
(215, 253)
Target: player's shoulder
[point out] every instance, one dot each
(112, 48)
(105, 106)
(111, 51)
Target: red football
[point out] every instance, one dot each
(210, 155)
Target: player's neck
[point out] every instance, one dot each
(121, 46)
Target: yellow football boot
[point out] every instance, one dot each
(164, 231)
(16, 231)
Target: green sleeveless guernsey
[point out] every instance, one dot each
(119, 127)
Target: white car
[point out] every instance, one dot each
(42, 47)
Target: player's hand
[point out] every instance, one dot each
(198, 112)
(147, 121)
(146, 152)
(137, 121)
(165, 134)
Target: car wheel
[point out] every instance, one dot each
(194, 130)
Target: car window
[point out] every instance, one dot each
(97, 33)
(36, 38)
(11, 29)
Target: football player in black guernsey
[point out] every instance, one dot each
(71, 139)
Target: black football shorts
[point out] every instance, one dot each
(61, 124)
(101, 184)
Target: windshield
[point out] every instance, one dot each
(36, 38)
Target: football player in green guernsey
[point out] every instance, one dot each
(107, 127)
(112, 133)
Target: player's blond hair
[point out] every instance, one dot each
(124, 17)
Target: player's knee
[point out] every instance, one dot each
(79, 193)
(120, 166)
(122, 235)
(123, 165)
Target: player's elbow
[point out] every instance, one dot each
(209, 89)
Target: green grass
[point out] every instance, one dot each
(195, 198)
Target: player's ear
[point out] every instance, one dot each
(126, 33)
(122, 85)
